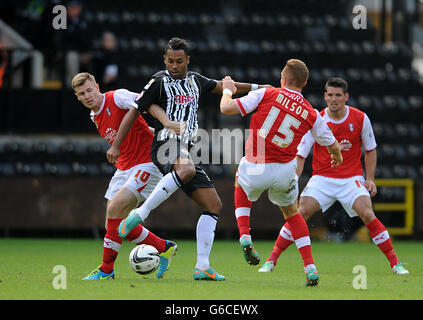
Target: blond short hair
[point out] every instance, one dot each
(80, 79)
(296, 73)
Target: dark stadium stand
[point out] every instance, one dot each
(249, 40)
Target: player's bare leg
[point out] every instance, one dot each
(379, 234)
(121, 204)
(185, 169)
(208, 199)
(308, 206)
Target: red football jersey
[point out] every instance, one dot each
(352, 132)
(135, 149)
(280, 120)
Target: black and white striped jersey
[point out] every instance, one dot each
(178, 97)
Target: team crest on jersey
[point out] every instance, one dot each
(110, 135)
(351, 125)
(345, 145)
(108, 111)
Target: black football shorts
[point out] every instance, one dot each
(164, 155)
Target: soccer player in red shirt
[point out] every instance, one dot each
(136, 175)
(282, 116)
(346, 183)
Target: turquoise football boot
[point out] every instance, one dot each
(312, 278)
(207, 274)
(166, 257)
(399, 269)
(250, 254)
(268, 266)
(97, 274)
(126, 225)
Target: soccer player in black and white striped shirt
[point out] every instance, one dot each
(177, 91)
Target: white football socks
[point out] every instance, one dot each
(163, 190)
(205, 237)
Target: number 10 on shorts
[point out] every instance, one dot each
(143, 176)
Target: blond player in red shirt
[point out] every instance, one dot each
(136, 175)
(280, 118)
(345, 183)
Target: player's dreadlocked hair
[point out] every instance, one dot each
(337, 83)
(177, 44)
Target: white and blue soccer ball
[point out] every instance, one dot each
(144, 259)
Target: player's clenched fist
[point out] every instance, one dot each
(228, 83)
(336, 160)
(112, 154)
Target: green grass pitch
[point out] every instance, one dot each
(26, 272)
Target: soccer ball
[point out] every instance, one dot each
(144, 259)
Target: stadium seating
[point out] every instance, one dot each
(52, 156)
(249, 40)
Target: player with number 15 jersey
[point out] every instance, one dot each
(280, 118)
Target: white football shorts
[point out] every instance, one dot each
(280, 179)
(328, 190)
(140, 179)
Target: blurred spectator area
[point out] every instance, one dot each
(249, 40)
(45, 133)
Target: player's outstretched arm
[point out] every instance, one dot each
(158, 113)
(335, 154)
(241, 87)
(228, 105)
(114, 151)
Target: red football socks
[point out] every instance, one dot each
(283, 241)
(113, 242)
(380, 237)
(111, 246)
(300, 234)
(155, 241)
(242, 211)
